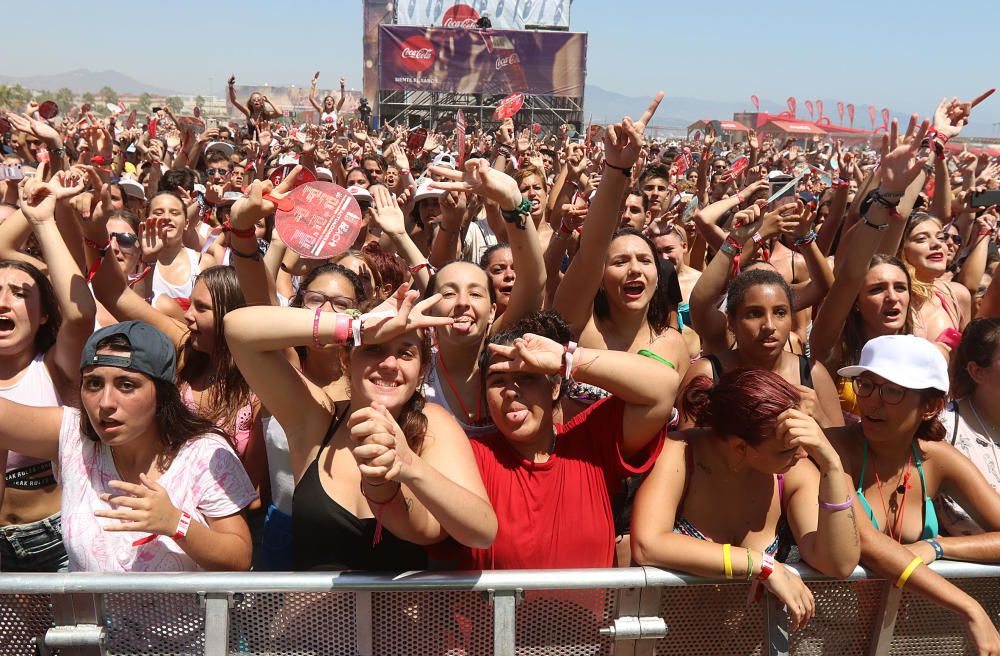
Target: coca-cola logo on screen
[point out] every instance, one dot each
(417, 54)
(460, 16)
(509, 60)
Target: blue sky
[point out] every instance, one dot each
(890, 54)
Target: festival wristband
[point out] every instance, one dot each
(183, 524)
(837, 507)
(727, 560)
(342, 329)
(567, 367)
(905, 576)
(749, 565)
(766, 566)
(938, 550)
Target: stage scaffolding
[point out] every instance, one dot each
(432, 109)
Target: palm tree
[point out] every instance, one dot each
(109, 94)
(199, 101)
(88, 99)
(175, 104)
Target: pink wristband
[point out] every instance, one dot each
(836, 507)
(342, 330)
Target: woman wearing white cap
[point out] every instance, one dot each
(900, 462)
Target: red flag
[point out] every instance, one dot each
(809, 108)
(871, 113)
(756, 102)
(819, 109)
(885, 116)
(850, 112)
(840, 110)
(460, 129)
(791, 104)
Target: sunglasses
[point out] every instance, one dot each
(217, 171)
(891, 393)
(126, 240)
(312, 300)
(955, 238)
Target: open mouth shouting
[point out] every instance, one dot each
(634, 290)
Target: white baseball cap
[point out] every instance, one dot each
(907, 360)
(424, 190)
(362, 195)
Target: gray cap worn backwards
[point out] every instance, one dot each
(152, 352)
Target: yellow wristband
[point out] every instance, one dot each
(727, 560)
(905, 576)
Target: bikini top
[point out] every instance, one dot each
(805, 370)
(930, 515)
(783, 541)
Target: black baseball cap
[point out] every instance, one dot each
(152, 352)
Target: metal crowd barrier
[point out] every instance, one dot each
(633, 611)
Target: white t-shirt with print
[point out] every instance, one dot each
(206, 479)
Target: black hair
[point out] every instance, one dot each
(484, 261)
(174, 178)
(754, 278)
(546, 323)
(666, 296)
(328, 268)
(48, 331)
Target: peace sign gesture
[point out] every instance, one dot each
(481, 179)
(900, 167)
(623, 141)
(400, 313)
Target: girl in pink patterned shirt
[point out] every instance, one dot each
(147, 484)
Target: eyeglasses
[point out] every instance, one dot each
(312, 300)
(891, 393)
(955, 238)
(126, 240)
(217, 171)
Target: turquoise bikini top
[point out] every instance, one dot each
(930, 515)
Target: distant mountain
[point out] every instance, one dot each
(82, 81)
(607, 106)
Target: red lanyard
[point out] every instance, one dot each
(897, 523)
(479, 406)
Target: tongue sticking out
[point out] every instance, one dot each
(517, 416)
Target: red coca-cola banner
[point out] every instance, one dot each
(756, 102)
(840, 110)
(482, 61)
(819, 109)
(809, 108)
(850, 113)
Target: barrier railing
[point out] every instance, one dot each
(630, 611)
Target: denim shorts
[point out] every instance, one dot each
(34, 547)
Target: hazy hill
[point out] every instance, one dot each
(82, 81)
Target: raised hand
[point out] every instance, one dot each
(29, 125)
(315, 78)
(481, 179)
(387, 212)
(797, 427)
(531, 353)
(900, 166)
(623, 141)
(407, 315)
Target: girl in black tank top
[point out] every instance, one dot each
(328, 537)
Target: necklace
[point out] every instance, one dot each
(903, 484)
(986, 429)
(472, 419)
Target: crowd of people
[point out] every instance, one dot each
(576, 349)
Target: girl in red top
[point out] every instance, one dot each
(549, 485)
